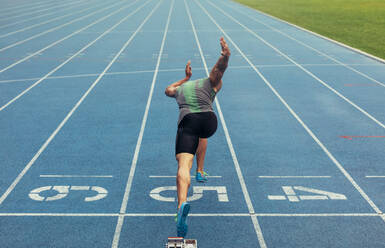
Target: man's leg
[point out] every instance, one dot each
(185, 161)
(201, 153)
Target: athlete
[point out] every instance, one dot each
(197, 122)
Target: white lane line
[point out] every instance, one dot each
(55, 6)
(25, 9)
(113, 73)
(149, 71)
(25, 6)
(294, 176)
(76, 176)
(74, 55)
(245, 192)
(32, 54)
(84, 75)
(127, 191)
(375, 176)
(94, 74)
(35, 17)
(326, 151)
(53, 19)
(56, 28)
(175, 176)
(312, 48)
(52, 136)
(190, 215)
(320, 215)
(301, 67)
(60, 214)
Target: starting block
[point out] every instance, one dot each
(178, 242)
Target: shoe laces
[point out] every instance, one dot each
(203, 173)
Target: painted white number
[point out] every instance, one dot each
(197, 193)
(291, 195)
(63, 191)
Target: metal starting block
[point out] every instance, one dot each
(177, 242)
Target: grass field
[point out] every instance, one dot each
(357, 23)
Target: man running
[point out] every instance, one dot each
(197, 122)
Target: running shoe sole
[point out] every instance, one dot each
(181, 225)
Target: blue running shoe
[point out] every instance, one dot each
(201, 176)
(181, 225)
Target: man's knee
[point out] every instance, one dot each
(184, 159)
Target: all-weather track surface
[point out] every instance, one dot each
(87, 134)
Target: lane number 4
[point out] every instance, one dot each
(291, 195)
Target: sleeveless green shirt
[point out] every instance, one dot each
(194, 97)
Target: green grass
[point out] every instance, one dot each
(357, 23)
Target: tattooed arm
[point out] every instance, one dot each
(219, 68)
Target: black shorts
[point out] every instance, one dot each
(192, 127)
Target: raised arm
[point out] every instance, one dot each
(171, 89)
(219, 68)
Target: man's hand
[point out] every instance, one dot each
(171, 89)
(188, 70)
(225, 48)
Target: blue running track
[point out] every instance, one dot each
(87, 134)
